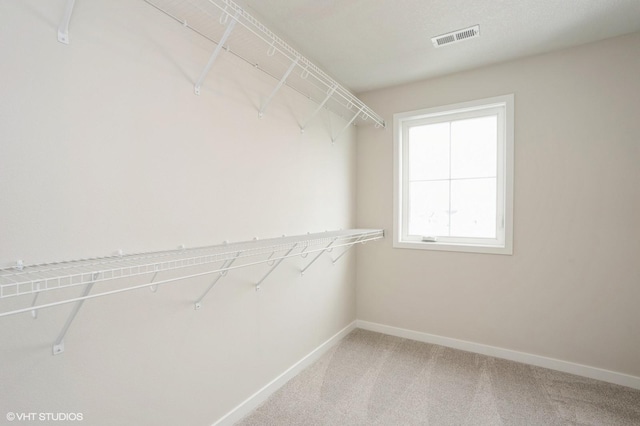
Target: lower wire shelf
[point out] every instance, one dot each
(217, 259)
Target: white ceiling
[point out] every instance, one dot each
(369, 44)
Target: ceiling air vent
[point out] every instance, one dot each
(456, 36)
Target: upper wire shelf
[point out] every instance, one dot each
(260, 47)
(34, 279)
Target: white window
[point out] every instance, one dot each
(454, 177)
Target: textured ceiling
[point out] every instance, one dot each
(369, 44)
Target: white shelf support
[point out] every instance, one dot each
(278, 86)
(223, 273)
(303, 253)
(34, 312)
(275, 266)
(35, 286)
(320, 106)
(154, 288)
(216, 51)
(345, 251)
(269, 261)
(317, 256)
(63, 29)
(333, 139)
(58, 346)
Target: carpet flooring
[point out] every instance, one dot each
(375, 379)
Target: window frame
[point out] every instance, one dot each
(402, 122)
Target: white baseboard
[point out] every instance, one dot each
(526, 358)
(259, 397)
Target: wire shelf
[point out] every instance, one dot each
(34, 279)
(260, 47)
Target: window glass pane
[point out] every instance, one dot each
(473, 208)
(429, 152)
(474, 147)
(429, 208)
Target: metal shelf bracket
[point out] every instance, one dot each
(319, 107)
(63, 29)
(303, 253)
(223, 273)
(34, 312)
(328, 247)
(278, 86)
(217, 50)
(275, 266)
(334, 139)
(154, 288)
(333, 261)
(58, 346)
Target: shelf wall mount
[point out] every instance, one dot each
(63, 29)
(58, 346)
(230, 26)
(225, 269)
(278, 87)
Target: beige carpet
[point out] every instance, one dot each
(375, 379)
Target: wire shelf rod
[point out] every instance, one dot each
(240, 250)
(129, 260)
(183, 277)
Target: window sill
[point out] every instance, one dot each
(465, 248)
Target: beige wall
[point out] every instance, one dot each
(571, 289)
(104, 146)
